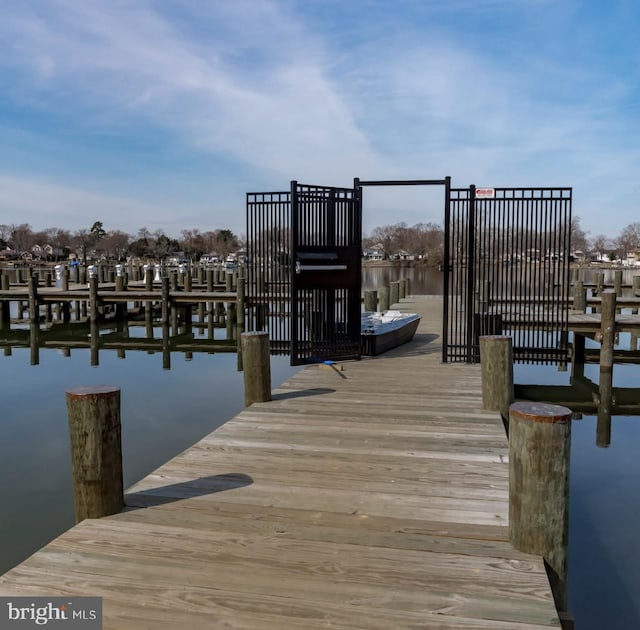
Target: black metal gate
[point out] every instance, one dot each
(304, 270)
(326, 278)
(507, 271)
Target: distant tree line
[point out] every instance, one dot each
(96, 242)
(424, 241)
(615, 248)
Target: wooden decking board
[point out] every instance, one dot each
(373, 497)
(445, 482)
(319, 573)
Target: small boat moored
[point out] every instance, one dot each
(382, 331)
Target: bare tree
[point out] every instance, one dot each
(22, 237)
(600, 244)
(115, 244)
(629, 239)
(425, 240)
(578, 235)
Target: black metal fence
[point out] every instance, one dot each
(507, 271)
(268, 267)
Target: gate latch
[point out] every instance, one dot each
(318, 261)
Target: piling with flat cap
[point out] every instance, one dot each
(496, 360)
(539, 447)
(256, 367)
(96, 450)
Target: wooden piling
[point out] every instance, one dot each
(579, 297)
(394, 293)
(617, 282)
(635, 286)
(496, 360)
(383, 298)
(240, 299)
(33, 300)
(607, 329)
(402, 288)
(575, 275)
(148, 278)
(371, 301)
(96, 450)
(539, 447)
(599, 278)
(93, 299)
(256, 367)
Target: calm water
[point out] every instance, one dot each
(165, 411)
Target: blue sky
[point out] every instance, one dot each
(162, 114)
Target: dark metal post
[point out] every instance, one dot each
(471, 272)
(445, 269)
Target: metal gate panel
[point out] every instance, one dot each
(268, 267)
(326, 274)
(303, 271)
(507, 266)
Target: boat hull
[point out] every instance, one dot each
(378, 341)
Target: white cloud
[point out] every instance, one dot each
(322, 93)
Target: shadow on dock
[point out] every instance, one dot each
(303, 393)
(186, 490)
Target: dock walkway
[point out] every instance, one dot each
(373, 496)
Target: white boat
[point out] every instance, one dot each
(380, 332)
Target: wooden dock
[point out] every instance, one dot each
(370, 494)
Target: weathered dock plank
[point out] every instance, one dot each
(373, 497)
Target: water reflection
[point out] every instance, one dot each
(422, 280)
(121, 336)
